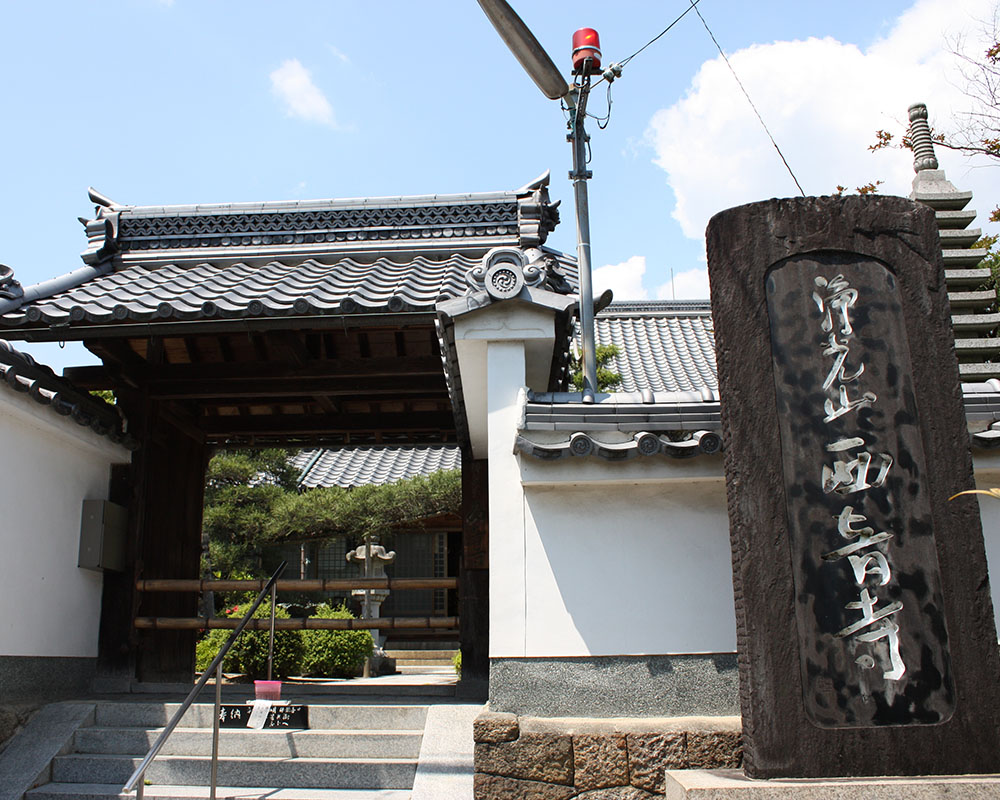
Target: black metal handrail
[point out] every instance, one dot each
(136, 781)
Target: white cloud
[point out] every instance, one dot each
(689, 285)
(338, 53)
(624, 279)
(293, 85)
(822, 101)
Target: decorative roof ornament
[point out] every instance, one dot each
(536, 216)
(10, 289)
(505, 271)
(920, 139)
(102, 230)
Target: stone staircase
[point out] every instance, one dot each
(354, 750)
(420, 660)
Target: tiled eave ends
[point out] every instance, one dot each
(641, 444)
(676, 424)
(22, 374)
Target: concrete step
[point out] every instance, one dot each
(307, 689)
(368, 743)
(422, 658)
(294, 773)
(104, 791)
(336, 717)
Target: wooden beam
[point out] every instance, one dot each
(257, 386)
(90, 377)
(295, 623)
(293, 584)
(379, 373)
(305, 425)
(341, 368)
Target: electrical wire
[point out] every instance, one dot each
(661, 33)
(603, 122)
(746, 94)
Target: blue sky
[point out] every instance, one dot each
(183, 102)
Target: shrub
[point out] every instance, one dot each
(249, 653)
(335, 654)
(456, 662)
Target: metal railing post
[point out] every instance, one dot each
(135, 781)
(270, 641)
(215, 731)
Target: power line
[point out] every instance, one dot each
(746, 94)
(661, 33)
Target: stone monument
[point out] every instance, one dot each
(865, 625)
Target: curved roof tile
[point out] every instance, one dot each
(663, 346)
(359, 466)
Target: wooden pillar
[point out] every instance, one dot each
(474, 578)
(164, 490)
(170, 545)
(114, 651)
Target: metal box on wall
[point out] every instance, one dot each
(102, 535)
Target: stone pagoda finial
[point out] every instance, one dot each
(920, 139)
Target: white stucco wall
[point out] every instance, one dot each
(633, 557)
(49, 465)
(987, 467)
(596, 558)
(620, 568)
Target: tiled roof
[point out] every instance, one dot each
(21, 373)
(239, 231)
(157, 263)
(139, 294)
(663, 346)
(359, 466)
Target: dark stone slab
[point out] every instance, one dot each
(616, 686)
(864, 618)
(45, 678)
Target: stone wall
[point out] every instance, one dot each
(533, 758)
(13, 717)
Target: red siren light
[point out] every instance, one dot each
(586, 44)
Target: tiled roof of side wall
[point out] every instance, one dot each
(19, 372)
(663, 346)
(360, 466)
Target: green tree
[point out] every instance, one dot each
(242, 489)
(365, 511)
(607, 381)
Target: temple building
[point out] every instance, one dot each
(592, 554)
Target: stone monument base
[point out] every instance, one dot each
(732, 784)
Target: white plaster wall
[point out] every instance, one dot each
(620, 569)
(633, 557)
(987, 467)
(48, 466)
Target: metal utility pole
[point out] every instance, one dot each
(545, 74)
(576, 101)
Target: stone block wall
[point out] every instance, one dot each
(532, 758)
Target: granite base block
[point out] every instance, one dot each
(594, 758)
(616, 686)
(698, 784)
(44, 679)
